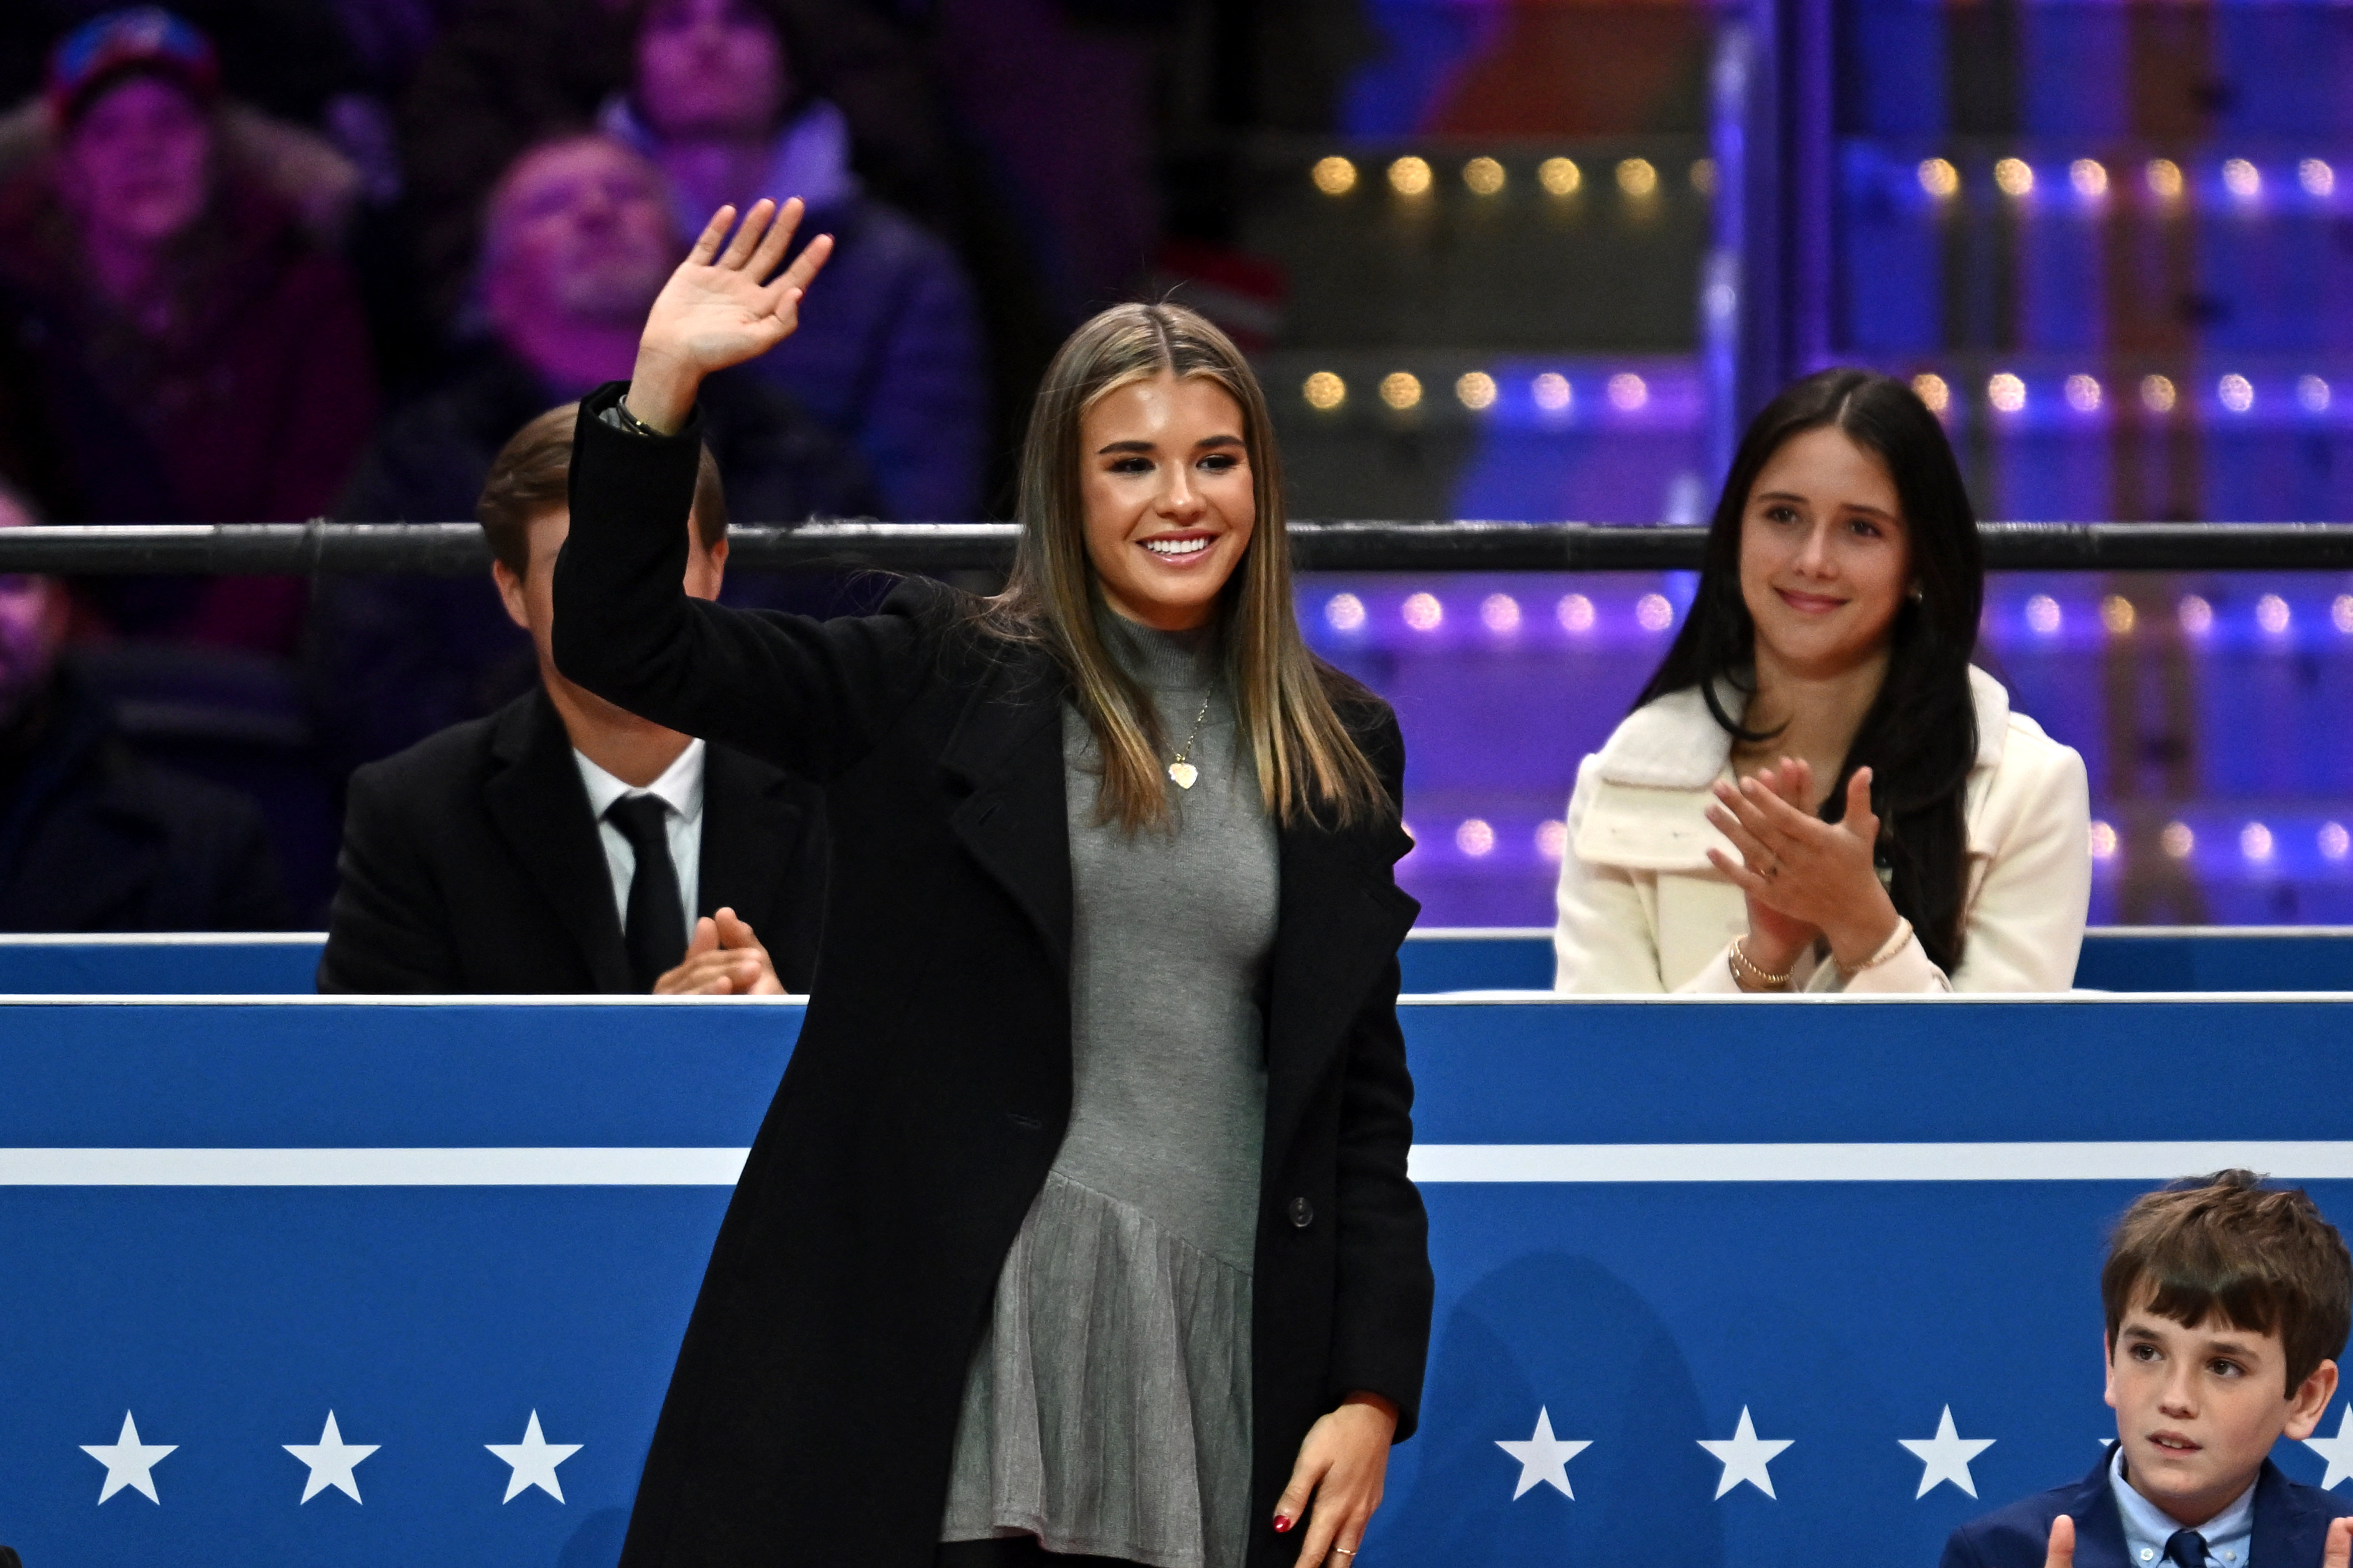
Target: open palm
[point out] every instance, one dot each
(716, 311)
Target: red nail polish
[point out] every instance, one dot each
(1281, 1525)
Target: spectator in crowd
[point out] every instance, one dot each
(562, 845)
(1818, 791)
(505, 75)
(894, 362)
(195, 358)
(577, 245)
(92, 838)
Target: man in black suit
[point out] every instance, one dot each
(562, 845)
(94, 837)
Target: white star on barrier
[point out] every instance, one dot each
(1946, 1457)
(2337, 1450)
(533, 1461)
(1543, 1457)
(129, 1462)
(332, 1461)
(1745, 1456)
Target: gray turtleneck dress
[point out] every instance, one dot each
(1108, 1409)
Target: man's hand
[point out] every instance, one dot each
(2337, 1552)
(717, 311)
(726, 959)
(2062, 1545)
(1342, 1466)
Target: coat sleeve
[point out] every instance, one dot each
(1381, 1320)
(387, 934)
(811, 696)
(1603, 942)
(2026, 923)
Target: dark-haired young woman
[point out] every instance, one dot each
(1817, 791)
(1080, 1226)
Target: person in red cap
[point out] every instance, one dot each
(193, 357)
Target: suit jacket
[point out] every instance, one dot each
(471, 863)
(95, 839)
(2291, 1519)
(813, 1412)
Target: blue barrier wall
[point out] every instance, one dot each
(1510, 958)
(442, 1223)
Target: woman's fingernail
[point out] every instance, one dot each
(1281, 1525)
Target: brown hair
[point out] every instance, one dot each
(1306, 760)
(532, 476)
(2260, 1258)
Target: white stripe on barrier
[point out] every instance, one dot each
(370, 1167)
(2120, 1162)
(1432, 1163)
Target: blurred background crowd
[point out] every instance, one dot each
(265, 260)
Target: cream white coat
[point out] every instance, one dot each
(1641, 910)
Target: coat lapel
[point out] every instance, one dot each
(535, 797)
(747, 836)
(2289, 1527)
(1008, 748)
(2099, 1527)
(1342, 917)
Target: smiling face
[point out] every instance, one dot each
(2199, 1408)
(1825, 558)
(1165, 484)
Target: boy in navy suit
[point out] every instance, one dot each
(2227, 1304)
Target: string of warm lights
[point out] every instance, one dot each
(1551, 391)
(1414, 176)
(2163, 179)
(2006, 391)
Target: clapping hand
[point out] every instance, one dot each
(720, 308)
(724, 959)
(1803, 874)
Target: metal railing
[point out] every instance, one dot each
(457, 549)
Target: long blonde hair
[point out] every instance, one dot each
(1307, 762)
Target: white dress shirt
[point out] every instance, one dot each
(680, 789)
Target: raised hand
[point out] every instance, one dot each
(1817, 873)
(2062, 1545)
(722, 308)
(2336, 1552)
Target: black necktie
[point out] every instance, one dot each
(2186, 1549)
(655, 931)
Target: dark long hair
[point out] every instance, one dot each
(1919, 737)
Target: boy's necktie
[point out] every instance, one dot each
(655, 931)
(2186, 1549)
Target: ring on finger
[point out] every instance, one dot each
(1343, 1550)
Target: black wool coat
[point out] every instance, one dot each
(812, 1416)
(471, 864)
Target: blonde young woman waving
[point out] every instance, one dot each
(1817, 791)
(1080, 1225)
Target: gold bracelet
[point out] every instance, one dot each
(1887, 949)
(1748, 976)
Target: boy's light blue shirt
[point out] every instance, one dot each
(2228, 1534)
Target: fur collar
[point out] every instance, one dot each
(1676, 744)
